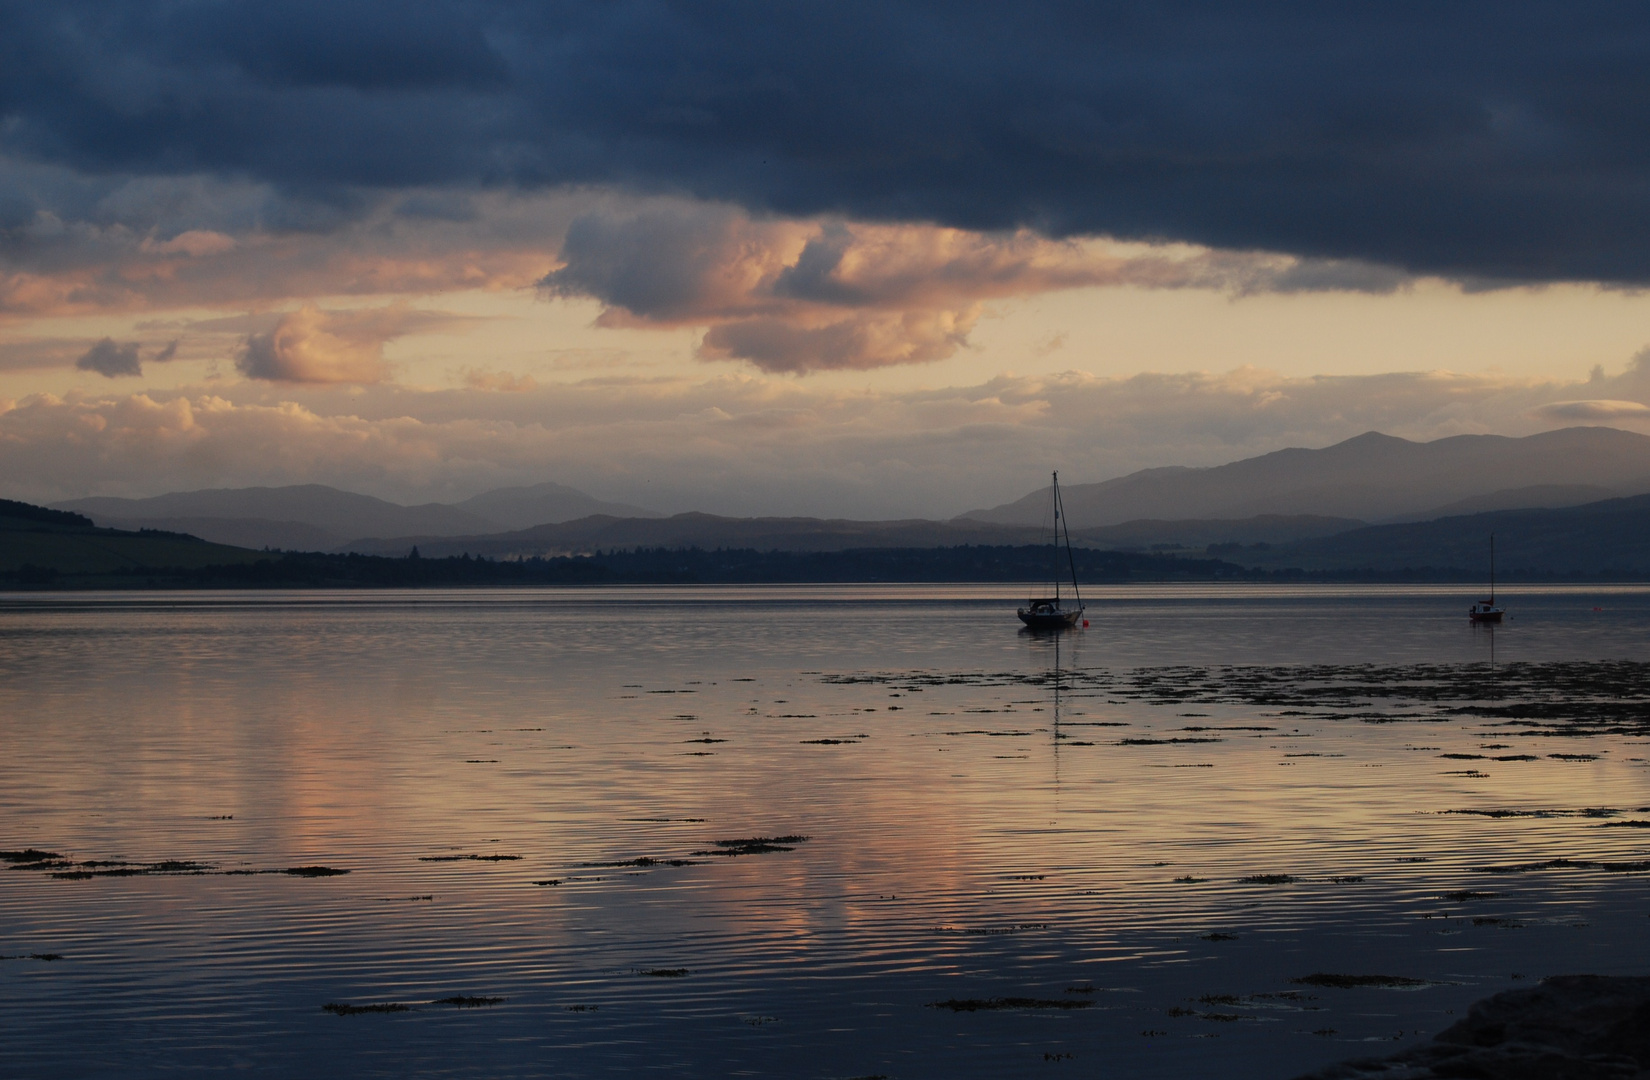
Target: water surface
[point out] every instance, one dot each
(555, 799)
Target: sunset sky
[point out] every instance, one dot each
(875, 260)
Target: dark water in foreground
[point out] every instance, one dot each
(486, 764)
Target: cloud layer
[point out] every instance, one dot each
(747, 444)
(1473, 140)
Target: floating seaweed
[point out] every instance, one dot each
(1352, 982)
(1633, 867)
(998, 1003)
(339, 1008)
(1166, 742)
(753, 845)
(642, 861)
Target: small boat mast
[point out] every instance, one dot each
(1051, 613)
(1486, 611)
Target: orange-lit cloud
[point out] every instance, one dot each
(796, 296)
(310, 345)
(51, 267)
(1594, 410)
(314, 346)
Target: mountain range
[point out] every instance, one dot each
(314, 517)
(1373, 477)
(1281, 500)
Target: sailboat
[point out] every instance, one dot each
(1053, 612)
(1485, 611)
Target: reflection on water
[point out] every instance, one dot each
(768, 831)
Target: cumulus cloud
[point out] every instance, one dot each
(1466, 140)
(735, 443)
(315, 346)
(111, 360)
(797, 296)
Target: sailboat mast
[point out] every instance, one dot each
(1055, 541)
(1492, 569)
(1071, 560)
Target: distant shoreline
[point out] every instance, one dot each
(974, 565)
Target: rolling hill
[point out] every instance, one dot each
(1606, 538)
(37, 545)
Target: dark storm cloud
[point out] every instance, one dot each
(1487, 142)
(113, 359)
(110, 359)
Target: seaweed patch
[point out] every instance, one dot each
(340, 1008)
(753, 845)
(997, 1003)
(1353, 982)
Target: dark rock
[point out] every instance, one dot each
(1570, 1027)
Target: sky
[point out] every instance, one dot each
(850, 259)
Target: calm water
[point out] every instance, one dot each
(486, 764)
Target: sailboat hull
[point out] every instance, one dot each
(1050, 620)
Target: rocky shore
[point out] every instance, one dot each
(1570, 1027)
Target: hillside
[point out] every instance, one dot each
(605, 533)
(332, 516)
(541, 504)
(39, 545)
(1601, 539)
(1372, 477)
(708, 531)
